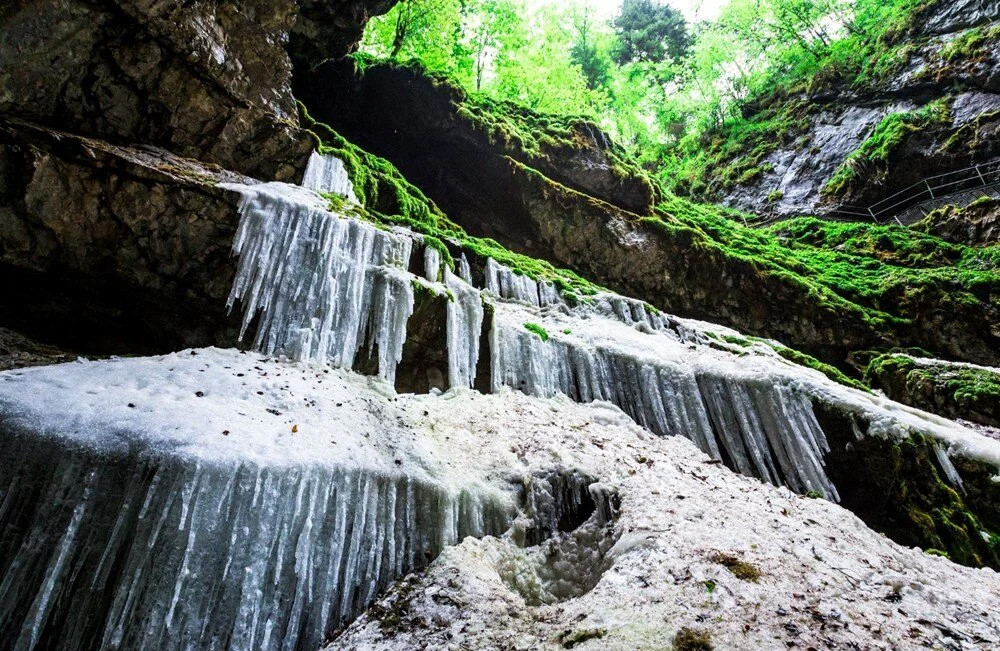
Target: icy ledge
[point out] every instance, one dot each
(694, 547)
(217, 500)
(328, 288)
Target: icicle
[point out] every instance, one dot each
(432, 263)
(947, 466)
(464, 271)
(319, 282)
(465, 323)
(765, 428)
(270, 558)
(326, 173)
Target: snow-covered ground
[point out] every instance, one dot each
(630, 582)
(826, 580)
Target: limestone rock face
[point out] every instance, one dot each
(949, 16)
(327, 29)
(130, 245)
(459, 152)
(831, 123)
(205, 79)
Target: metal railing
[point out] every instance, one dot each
(931, 190)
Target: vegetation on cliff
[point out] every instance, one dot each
(868, 164)
(665, 88)
(885, 275)
(389, 199)
(956, 390)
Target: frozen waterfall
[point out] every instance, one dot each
(323, 286)
(147, 526)
(327, 173)
(327, 287)
(762, 426)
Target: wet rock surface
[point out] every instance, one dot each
(977, 224)
(204, 79)
(460, 157)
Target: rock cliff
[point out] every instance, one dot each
(854, 142)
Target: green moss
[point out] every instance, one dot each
(970, 44)
(952, 389)
(970, 136)
(734, 155)
(439, 246)
(538, 330)
(379, 186)
(884, 276)
(831, 372)
(898, 487)
(389, 199)
(936, 552)
(739, 568)
(869, 162)
(775, 196)
(691, 639)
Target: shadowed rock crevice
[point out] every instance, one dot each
(908, 490)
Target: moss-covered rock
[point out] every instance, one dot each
(952, 390)
(447, 141)
(977, 224)
(899, 488)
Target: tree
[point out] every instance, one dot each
(594, 64)
(651, 32)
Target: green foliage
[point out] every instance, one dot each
(970, 44)
(735, 154)
(650, 31)
(869, 162)
(538, 330)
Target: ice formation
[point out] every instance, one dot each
(765, 428)
(327, 287)
(323, 286)
(826, 580)
(179, 521)
(326, 173)
(432, 264)
(465, 324)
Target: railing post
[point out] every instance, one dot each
(980, 175)
(929, 189)
(872, 213)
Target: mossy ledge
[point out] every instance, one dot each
(951, 390)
